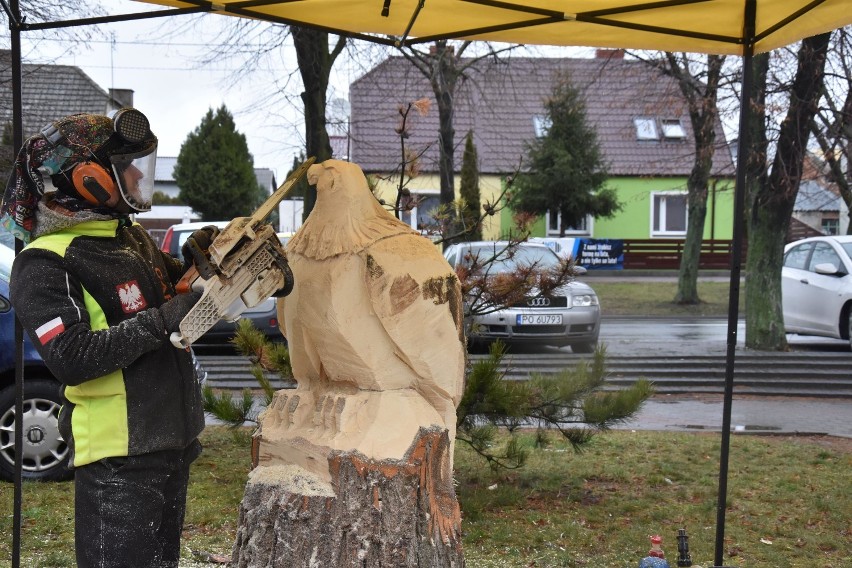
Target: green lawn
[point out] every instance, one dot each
(789, 503)
(636, 297)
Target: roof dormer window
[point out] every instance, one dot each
(673, 129)
(646, 129)
(541, 124)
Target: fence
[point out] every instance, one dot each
(667, 253)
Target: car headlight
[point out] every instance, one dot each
(584, 300)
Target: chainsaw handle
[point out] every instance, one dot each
(177, 340)
(200, 260)
(184, 285)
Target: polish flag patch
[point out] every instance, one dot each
(49, 330)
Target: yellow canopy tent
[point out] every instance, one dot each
(733, 27)
(704, 26)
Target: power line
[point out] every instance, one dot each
(149, 43)
(194, 69)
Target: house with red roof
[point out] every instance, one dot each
(640, 116)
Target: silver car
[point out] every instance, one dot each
(569, 315)
(816, 286)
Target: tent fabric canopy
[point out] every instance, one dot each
(702, 26)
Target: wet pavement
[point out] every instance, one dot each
(749, 415)
(708, 336)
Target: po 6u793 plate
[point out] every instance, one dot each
(539, 319)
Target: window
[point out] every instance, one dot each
(541, 125)
(830, 226)
(797, 257)
(646, 129)
(418, 211)
(554, 225)
(673, 129)
(669, 214)
(824, 254)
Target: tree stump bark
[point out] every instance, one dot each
(389, 513)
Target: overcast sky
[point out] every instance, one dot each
(160, 60)
(175, 91)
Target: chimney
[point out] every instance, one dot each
(122, 97)
(433, 49)
(609, 54)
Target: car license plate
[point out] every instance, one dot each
(540, 319)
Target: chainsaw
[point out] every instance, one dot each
(246, 265)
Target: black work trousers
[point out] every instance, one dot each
(128, 511)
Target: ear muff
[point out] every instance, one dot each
(94, 184)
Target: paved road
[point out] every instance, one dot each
(707, 336)
(753, 415)
(690, 336)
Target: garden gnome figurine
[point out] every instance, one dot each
(656, 557)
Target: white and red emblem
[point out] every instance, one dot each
(49, 330)
(131, 297)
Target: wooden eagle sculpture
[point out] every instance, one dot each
(375, 334)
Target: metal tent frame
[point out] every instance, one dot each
(617, 18)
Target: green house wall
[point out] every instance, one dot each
(634, 219)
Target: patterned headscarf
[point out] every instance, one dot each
(59, 147)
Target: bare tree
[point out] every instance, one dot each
(699, 83)
(316, 52)
(772, 190)
(832, 124)
(446, 70)
(37, 11)
(315, 63)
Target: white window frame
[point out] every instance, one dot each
(555, 232)
(672, 129)
(413, 212)
(646, 128)
(830, 225)
(663, 232)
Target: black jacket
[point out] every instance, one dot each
(88, 296)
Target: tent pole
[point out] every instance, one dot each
(17, 142)
(736, 261)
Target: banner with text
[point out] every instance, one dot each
(600, 254)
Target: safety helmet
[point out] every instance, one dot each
(104, 160)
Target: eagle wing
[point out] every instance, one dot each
(416, 296)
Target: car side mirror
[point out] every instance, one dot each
(579, 270)
(829, 269)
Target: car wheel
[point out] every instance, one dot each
(849, 327)
(45, 454)
(584, 347)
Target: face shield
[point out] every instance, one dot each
(120, 143)
(134, 174)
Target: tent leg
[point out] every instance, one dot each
(734, 294)
(17, 142)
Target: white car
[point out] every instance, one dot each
(816, 286)
(570, 315)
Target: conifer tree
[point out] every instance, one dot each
(565, 169)
(215, 171)
(469, 190)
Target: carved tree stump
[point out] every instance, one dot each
(355, 464)
(389, 513)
